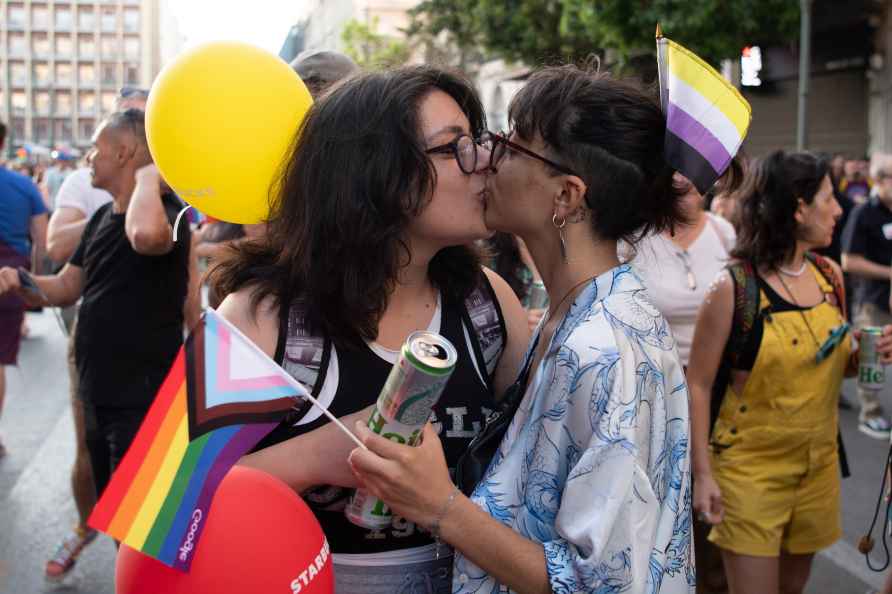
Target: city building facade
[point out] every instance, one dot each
(63, 62)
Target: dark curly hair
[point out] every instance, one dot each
(611, 132)
(768, 200)
(350, 187)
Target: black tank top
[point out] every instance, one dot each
(458, 416)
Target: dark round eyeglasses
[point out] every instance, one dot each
(463, 148)
(498, 145)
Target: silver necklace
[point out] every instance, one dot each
(689, 272)
(793, 273)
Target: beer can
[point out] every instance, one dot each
(414, 386)
(871, 372)
(538, 296)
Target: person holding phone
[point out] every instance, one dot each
(133, 279)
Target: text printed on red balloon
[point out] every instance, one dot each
(314, 569)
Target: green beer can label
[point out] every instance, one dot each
(414, 386)
(871, 372)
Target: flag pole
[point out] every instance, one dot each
(301, 390)
(661, 67)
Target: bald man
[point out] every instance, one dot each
(133, 279)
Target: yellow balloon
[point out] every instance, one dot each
(219, 121)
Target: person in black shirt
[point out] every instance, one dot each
(133, 279)
(866, 254)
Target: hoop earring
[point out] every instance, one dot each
(560, 228)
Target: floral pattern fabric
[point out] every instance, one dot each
(596, 463)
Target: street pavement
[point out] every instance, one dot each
(36, 508)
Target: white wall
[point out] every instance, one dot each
(326, 19)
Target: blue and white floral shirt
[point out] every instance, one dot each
(595, 465)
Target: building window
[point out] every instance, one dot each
(42, 131)
(131, 75)
(86, 20)
(40, 18)
(86, 46)
(64, 49)
(86, 102)
(63, 74)
(19, 102)
(131, 21)
(86, 74)
(16, 17)
(63, 131)
(41, 45)
(17, 46)
(63, 18)
(109, 20)
(85, 130)
(108, 101)
(19, 74)
(18, 130)
(131, 48)
(63, 103)
(109, 74)
(42, 103)
(110, 48)
(41, 74)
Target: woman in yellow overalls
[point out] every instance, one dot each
(767, 474)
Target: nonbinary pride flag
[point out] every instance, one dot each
(222, 395)
(706, 117)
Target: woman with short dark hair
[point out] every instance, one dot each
(589, 489)
(772, 344)
(368, 241)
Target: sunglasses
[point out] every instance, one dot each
(498, 145)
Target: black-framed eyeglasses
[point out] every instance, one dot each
(463, 148)
(498, 145)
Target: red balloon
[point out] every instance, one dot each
(260, 537)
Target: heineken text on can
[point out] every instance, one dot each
(414, 386)
(871, 373)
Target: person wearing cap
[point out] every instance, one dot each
(63, 164)
(319, 69)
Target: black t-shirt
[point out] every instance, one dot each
(130, 324)
(868, 233)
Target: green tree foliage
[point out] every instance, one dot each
(542, 31)
(372, 50)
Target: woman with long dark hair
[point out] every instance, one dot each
(589, 489)
(368, 242)
(770, 350)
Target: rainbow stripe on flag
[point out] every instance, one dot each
(706, 117)
(222, 396)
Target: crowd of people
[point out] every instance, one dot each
(679, 381)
